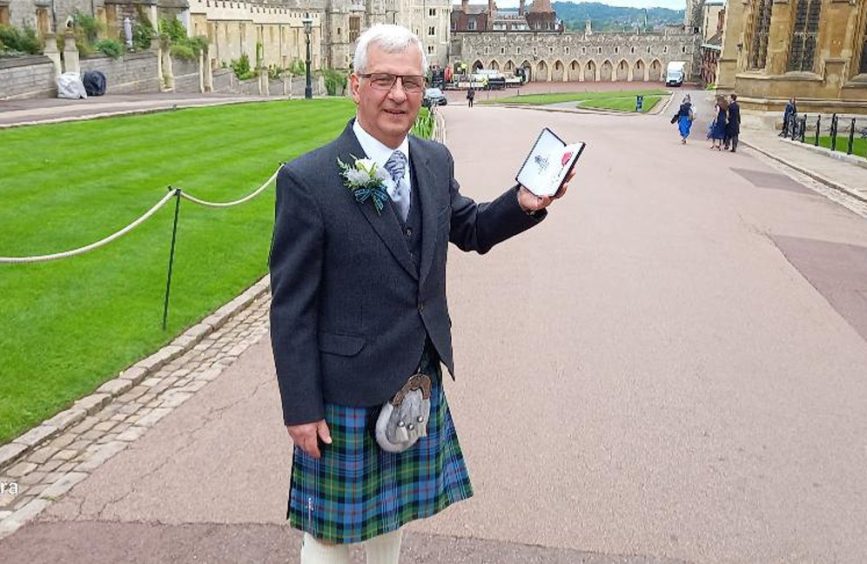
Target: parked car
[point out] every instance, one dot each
(433, 97)
(675, 73)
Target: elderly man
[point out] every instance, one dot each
(359, 320)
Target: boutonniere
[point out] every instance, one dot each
(366, 181)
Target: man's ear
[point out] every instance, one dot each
(354, 85)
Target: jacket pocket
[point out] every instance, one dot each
(344, 345)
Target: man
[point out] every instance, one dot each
(733, 126)
(471, 95)
(790, 113)
(359, 306)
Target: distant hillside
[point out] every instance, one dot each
(613, 18)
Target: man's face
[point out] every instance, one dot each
(388, 115)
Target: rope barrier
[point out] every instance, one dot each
(173, 192)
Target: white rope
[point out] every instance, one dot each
(92, 246)
(139, 221)
(236, 202)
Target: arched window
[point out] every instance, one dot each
(804, 34)
(761, 26)
(862, 68)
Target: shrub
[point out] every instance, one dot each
(109, 47)
(88, 26)
(241, 68)
(297, 67)
(142, 34)
(184, 52)
(173, 29)
(335, 81)
(16, 40)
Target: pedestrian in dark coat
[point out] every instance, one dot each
(733, 127)
(718, 129)
(789, 116)
(471, 95)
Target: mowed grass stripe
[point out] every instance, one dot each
(69, 325)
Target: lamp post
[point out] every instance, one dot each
(308, 28)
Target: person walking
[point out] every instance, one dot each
(718, 129)
(471, 95)
(359, 318)
(684, 117)
(733, 125)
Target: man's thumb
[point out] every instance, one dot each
(324, 433)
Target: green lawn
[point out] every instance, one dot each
(859, 145)
(615, 100)
(69, 325)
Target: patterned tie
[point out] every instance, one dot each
(396, 166)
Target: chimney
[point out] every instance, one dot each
(465, 4)
(521, 8)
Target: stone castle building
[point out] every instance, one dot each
(815, 50)
(578, 56)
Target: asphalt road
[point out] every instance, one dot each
(670, 368)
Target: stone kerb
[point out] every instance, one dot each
(132, 73)
(127, 379)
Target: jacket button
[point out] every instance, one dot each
(421, 306)
(409, 231)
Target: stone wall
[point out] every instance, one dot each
(186, 75)
(27, 77)
(134, 73)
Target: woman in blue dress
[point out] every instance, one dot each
(718, 131)
(684, 118)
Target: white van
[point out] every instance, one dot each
(674, 73)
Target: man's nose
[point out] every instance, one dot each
(397, 93)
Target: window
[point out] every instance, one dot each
(617, 49)
(432, 12)
(517, 50)
(471, 25)
(648, 49)
(431, 30)
(551, 50)
(535, 52)
(354, 28)
(487, 50)
(430, 49)
(804, 34)
(683, 49)
(665, 49)
(567, 50)
(599, 50)
(632, 50)
(502, 50)
(862, 68)
(761, 24)
(583, 50)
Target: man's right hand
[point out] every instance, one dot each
(306, 436)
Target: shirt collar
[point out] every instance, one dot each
(375, 149)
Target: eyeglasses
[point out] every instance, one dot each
(412, 84)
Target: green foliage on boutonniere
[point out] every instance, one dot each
(366, 181)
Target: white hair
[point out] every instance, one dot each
(391, 39)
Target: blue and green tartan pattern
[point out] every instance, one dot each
(357, 491)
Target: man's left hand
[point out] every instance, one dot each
(530, 202)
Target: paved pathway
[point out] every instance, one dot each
(678, 376)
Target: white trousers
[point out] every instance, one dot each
(384, 549)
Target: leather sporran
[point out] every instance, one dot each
(403, 419)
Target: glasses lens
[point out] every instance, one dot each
(382, 81)
(413, 84)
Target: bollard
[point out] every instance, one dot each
(818, 127)
(851, 137)
(803, 127)
(834, 132)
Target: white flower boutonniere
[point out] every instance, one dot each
(366, 181)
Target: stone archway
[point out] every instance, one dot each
(655, 73)
(639, 71)
(528, 71)
(477, 65)
(494, 65)
(606, 71)
(622, 74)
(590, 72)
(574, 71)
(559, 71)
(543, 71)
(509, 66)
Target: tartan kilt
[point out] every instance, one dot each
(357, 491)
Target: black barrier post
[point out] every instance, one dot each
(834, 132)
(851, 137)
(818, 127)
(171, 255)
(803, 127)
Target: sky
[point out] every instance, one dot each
(673, 4)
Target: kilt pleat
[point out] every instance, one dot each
(357, 491)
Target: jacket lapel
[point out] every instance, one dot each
(424, 185)
(386, 225)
